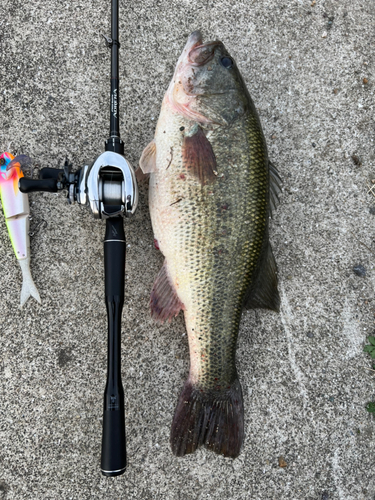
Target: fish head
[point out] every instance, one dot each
(207, 86)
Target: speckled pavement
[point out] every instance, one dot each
(309, 66)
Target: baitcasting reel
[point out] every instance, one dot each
(108, 186)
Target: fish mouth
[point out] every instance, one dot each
(182, 91)
(199, 53)
(194, 39)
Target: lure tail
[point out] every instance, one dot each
(16, 211)
(210, 418)
(28, 286)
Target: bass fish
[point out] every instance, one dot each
(211, 192)
(16, 210)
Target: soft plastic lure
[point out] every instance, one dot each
(16, 211)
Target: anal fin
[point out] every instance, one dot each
(164, 301)
(263, 292)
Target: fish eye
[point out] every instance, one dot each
(227, 62)
(2, 161)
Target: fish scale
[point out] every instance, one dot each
(187, 231)
(209, 202)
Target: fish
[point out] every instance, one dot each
(16, 211)
(212, 190)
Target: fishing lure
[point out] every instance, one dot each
(16, 211)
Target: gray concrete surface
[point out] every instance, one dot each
(306, 380)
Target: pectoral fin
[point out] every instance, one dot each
(263, 292)
(198, 157)
(147, 163)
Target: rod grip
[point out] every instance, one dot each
(114, 258)
(113, 461)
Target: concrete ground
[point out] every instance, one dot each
(309, 66)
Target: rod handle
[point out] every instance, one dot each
(113, 462)
(114, 259)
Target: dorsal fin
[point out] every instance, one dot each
(263, 292)
(275, 186)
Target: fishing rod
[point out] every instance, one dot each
(110, 188)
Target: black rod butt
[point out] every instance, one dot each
(113, 461)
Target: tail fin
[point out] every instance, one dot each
(28, 285)
(213, 419)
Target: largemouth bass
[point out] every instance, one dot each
(211, 192)
(16, 211)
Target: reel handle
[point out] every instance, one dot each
(32, 185)
(48, 181)
(51, 173)
(113, 460)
